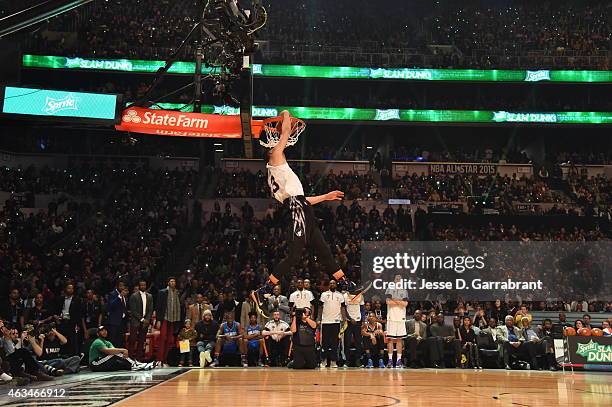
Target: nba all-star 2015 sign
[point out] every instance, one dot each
(180, 124)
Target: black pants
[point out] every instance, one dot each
(440, 346)
(525, 351)
(304, 357)
(415, 345)
(68, 329)
(278, 351)
(374, 350)
(471, 351)
(329, 341)
(110, 363)
(303, 232)
(116, 335)
(23, 357)
(352, 339)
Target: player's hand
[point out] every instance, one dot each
(334, 196)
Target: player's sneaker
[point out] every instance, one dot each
(390, 364)
(399, 365)
(370, 364)
(381, 363)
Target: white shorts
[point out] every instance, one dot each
(396, 329)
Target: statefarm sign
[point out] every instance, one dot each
(179, 124)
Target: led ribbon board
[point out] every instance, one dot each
(330, 72)
(56, 103)
(411, 115)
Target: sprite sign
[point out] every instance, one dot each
(56, 103)
(595, 352)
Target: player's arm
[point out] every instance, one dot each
(277, 155)
(330, 196)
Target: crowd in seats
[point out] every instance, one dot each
(590, 191)
(485, 155)
(581, 196)
(236, 254)
(220, 281)
(449, 188)
(88, 182)
(243, 183)
(500, 232)
(591, 157)
(557, 27)
(129, 237)
(467, 36)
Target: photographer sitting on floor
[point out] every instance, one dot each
(17, 355)
(303, 330)
(49, 343)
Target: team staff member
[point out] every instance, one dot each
(331, 314)
(303, 329)
(352, 335)
(301, 297)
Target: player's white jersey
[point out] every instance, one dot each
(283, 182)
(396, 312)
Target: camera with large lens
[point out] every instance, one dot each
(299, 312)
(29, 328)
(44, 329)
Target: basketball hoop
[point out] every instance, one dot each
(273, 128)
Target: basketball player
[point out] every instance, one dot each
(396, 321)
(301, 224)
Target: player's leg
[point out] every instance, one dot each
(323, 252)
(295, 248)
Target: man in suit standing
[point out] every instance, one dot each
(168, 312)
(416, 331)
(280, 303)
(116, 311)
(141, 311)
(196, 311)
(69, 316)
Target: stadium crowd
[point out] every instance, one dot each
(238, 251)
(71, 305)
(578, 196)
(131, 232)
(439, 34)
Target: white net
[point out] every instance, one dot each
(273, 133)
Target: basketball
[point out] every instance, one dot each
(569, 331)
(596, 332)
(584, 332)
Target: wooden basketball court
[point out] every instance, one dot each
(357, 388)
